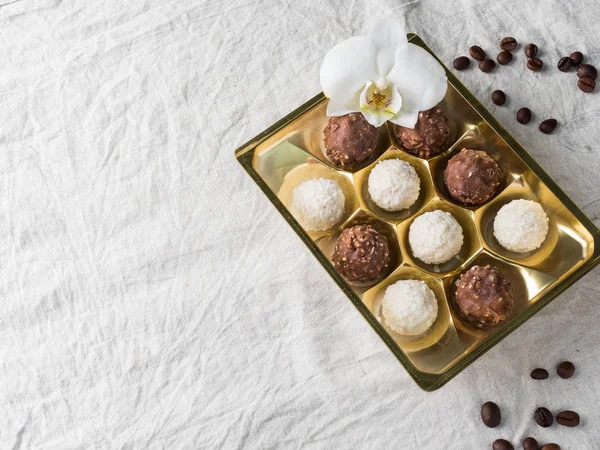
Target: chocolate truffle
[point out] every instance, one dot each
(484, 296)
(430, 135)
(472, 177)
(349, 140)
(361, 254)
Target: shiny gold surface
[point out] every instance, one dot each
(292, 152)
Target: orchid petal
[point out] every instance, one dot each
(376, 117)
(336, 109)
(406, 119)
(420, 78)
(347, 67)
(387, 34)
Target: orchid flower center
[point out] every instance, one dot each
(378, 98)
(379, 101)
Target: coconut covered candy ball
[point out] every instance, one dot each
(350, 140)
(318, 204)
(409, 307)
(521, 226)
(361, 254)
(394, 185)
(435, 237)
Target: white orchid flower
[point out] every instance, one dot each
(383, 76)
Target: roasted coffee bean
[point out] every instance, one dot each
(587, 70)
(568, 418)
(564, 64)
(550, 447)
(487, 65)
(490, 414)
(461, 63)
(548, 126)
(477, 53)
(524, 116)
(531, 50)
(586, 84)
(502, 444)
(565, 369)
(543, 417)
(535, 64)
(504, 57)
(538, 374)
(508, 44)
(530, 444)
(499, 97)
(576, 58)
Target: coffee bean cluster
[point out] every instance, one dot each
(487, 65)
(543, 417)
(565, 369)
(586, 73)
(528, 444)
(534, 63)
(491, 415)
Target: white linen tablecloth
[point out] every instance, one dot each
(151, 295)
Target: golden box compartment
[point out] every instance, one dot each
(291, 151)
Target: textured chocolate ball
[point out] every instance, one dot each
(472, 177)
(361, 254)
(350, 140)
(484, 296)
(430, 136)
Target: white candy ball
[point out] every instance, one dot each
(318, 204)
(435, 237)
(394, 185)
(521, 226)
(409, 307)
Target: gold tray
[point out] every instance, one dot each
(291, 151)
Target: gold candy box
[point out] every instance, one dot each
(292, 151)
